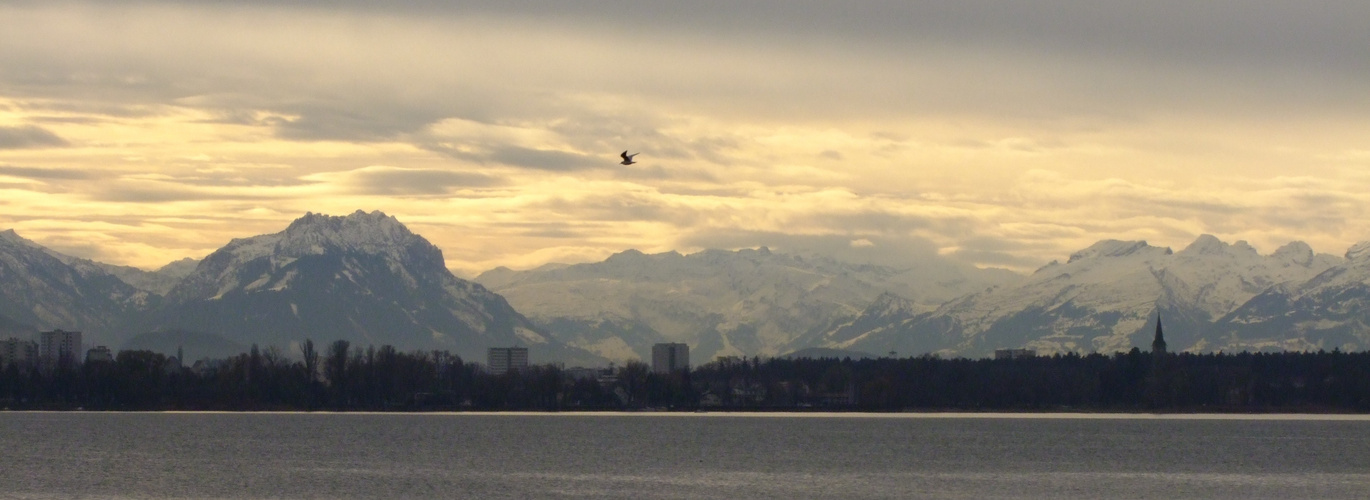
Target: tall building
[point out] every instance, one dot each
(502, 360)
(59, 347)
(19, 352)
(667, 358)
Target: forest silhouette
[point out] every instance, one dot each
(342, 377)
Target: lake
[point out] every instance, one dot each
(680, 456)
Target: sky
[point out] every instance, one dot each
(992, 133)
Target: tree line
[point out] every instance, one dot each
(342, 377)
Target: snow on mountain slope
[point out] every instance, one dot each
(1216, 277)
(719, 302)
(41, 290)
(364, 278)
(159, 282)
(1103, 299)
(1328, 311)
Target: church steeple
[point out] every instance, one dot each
(1158, 345)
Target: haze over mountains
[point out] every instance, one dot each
(745, 302)
(364, 278)
(367, 279)
(1105, 298)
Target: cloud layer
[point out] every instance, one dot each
(996, 134)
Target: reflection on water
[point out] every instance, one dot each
(202, 456)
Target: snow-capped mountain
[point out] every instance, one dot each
(719, 302)
(1104, 298)
(39, 290)
(159, 282)
(364, 278)
(367, 279)
(1329, 311)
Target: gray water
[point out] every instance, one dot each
(361, 456)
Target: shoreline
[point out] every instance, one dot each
(930, 415)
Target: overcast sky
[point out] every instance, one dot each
(996, 133)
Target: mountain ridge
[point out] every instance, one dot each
(367, 278)
(363, 277)
(1104, 298)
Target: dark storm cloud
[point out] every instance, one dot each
(26, 137)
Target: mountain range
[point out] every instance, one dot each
(367, 279)
(364, 278)
(737, 303)
(1106, 298)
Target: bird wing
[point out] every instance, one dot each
(624, 154)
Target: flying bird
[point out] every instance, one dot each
(627, 158)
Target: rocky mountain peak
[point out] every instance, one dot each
(11, 237)
(1116, 248)
(366, 232)
(628, 255)
(45, 289)
(1358, 251)
(1208, 244)
(363, 277)
(890, 303)
(1205, 244)
(1296, 252)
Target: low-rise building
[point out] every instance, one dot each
(99, 354)
(19, 352)
(1014, 353)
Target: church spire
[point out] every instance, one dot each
(1158, 345)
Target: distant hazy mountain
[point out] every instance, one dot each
(11, 328)
(718, 302)
(40, 290)
(364, 278)
(825, 353)
(1105, 298)
(159, 282)
(367, 279)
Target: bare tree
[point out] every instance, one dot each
(311, 360)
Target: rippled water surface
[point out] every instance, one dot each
(356, 456)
